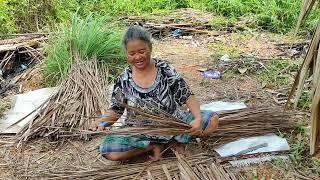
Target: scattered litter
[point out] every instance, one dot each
(23, 66)
(242, 70)
(212, 74)
(177, 33)
(225, 58)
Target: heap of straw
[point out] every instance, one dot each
(233, 124)
(82, 95)
(168, 168)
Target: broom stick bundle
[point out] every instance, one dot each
(233, 124)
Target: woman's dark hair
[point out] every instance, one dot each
(137, 32)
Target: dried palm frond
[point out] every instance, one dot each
(210, 170)
(83, 94)
(164, 169)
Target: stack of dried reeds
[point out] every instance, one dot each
(169, 168)
(233, 124)
(82, 95)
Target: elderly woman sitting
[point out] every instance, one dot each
(153, 81)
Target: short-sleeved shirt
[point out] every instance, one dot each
(168, 92)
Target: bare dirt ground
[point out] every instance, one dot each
(187, 56)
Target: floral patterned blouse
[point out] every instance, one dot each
(168, 92)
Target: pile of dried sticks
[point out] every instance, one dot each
(68, 112)
(200, 166)
(189, 21)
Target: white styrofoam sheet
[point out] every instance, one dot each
(24, 104)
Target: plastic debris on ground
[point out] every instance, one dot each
(219, 106)
(254, 145)
(177, 33)
(212, 74)
(24, 104)
(225, 58)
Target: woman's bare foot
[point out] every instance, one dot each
(156, 150)
(212, 126)
(181, 149)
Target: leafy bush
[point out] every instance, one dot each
(6, 17)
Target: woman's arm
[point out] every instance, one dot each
(194, 107)
(108, 119)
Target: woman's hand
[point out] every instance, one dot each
(95, 125)
(98, 125)
(106, 120)
(197, 128)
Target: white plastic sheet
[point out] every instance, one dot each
(222, 106)
(274, 143)
(24, 104)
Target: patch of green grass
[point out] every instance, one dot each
(219, 21)
(279, 72)
(204, 82)
(299, 142)
(316, 165)
(220, 49)
(91, 37)
(305, 100)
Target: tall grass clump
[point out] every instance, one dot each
(90, 37)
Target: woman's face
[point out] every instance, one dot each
(138, 54)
